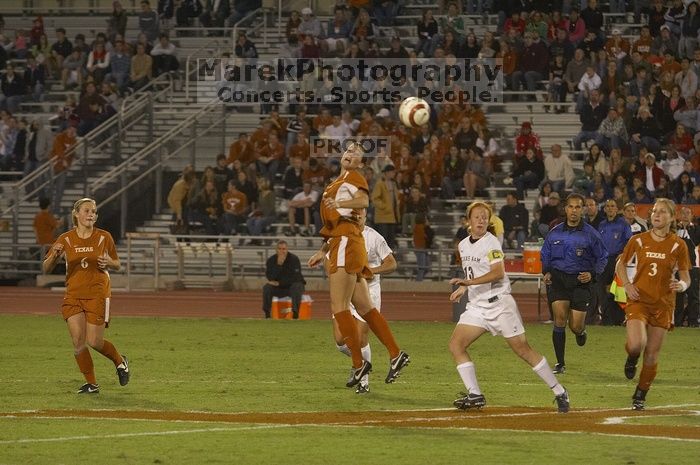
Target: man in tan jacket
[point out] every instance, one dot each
(385, 197)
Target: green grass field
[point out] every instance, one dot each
(231, 365)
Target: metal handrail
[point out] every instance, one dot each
(234, 31)
(141, 93)
(187, 66)
(144, 152)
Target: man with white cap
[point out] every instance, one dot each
(310, 25)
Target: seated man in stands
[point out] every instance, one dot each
(284, 279)
(592, 114)
(300, 209)
(164, 56)
(13, 90)
(235, 206)
(558, 169)
(516, 219)
(141, 68)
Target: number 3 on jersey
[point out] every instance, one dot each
(83, 262)
(470, 273)
(653, 270)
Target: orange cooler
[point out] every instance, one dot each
(531, 258)
(282, 308)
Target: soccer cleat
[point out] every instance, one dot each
(358, 373)
(470, 401)
(396, 365)
(88, 388)
(559, 369)
(581, 338)
(631, 367)
(638, 399)
(123, 371)
(562, 401)
(362, 388)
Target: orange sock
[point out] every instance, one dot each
(647, 376)
(380, 328)
(86, 366)
(109, 351)
(348, 329)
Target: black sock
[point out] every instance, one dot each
(559, 342)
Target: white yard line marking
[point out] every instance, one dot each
(621, 420)
(130, 435)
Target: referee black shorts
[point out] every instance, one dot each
(567, 287)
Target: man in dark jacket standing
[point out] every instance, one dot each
(284, 279)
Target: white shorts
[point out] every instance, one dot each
(375, 297)
(502, 320)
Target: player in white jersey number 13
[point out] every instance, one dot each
(490, 308)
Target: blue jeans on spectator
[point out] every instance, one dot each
(422, 263)
(653, 145)
(557, 186)
(609, 143)
(229, 223)
(10, 103)
(258, 224)
(427, 46)
(585, 136)
(525, 181)
(268, 170)
(520, 235)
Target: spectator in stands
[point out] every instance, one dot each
(589, 82)
(583, 182)
(593, 19)
(686, 79)
(45, 224)
(36, 31)
(591, 116)
(510, 63)
(695, 196)
(639, 87)
(561, 45)
(61, 159)
(385, 12)
(292, 27)
(222, 173)
(551, 214)
(515, 23)
(205, 207)
(364, 30)
(416, 203)
(674, 17)
(13, 90)
(525, 140)
(532, 63)
(284, 279)
(8, 140)
(683, 190)
(422, 240)
(35, 78)
(385, 197)
(72, 73)
(664, 42)
(557, 86)
(645, 132)
(293, 178)
(120, 64)
(234, 204)
(148, 21)
(516, 219)
(630, 214)
(116, 24)
(617, 47)
(575, 69)
(428, 36)
(310, 25)
(454, 172)
(650, 174)
(265, 212)
(177, 197)
(591, 213)
(575, 27)
(558, 169)
(61, 49)
(240, 9)
(141, 70)
(244, 47)
(164, 56)
(612, 133)
(98, 62)
(269, 157)
(337, 34)
(454, 22)
(528, 173)
(142, 39)
(21, 45)
(301, 207)
(681, 142)
(38, 146)
(247, 187)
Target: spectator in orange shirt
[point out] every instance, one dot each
(45, 223)
(62, 158)
(235, 206)
(270, 155)
(241, 149)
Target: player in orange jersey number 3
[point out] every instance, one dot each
(652, 258)
(90, 254)
(347, 265)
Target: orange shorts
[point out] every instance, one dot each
(348, 252)
(652, 315)
(96, 310)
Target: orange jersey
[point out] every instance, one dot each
(342, 221)
(45, 224)
(653, 265)
(84, 280)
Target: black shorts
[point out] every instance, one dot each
(567, 287)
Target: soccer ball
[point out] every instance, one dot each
(414, 112)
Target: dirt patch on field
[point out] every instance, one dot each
(601, 421)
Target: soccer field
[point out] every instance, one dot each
(257, 391)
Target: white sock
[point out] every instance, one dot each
(544, 371)
(468, 374)
(367, 355)
(344, 349)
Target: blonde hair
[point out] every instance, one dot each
(475, 205)
(671, 206)
(76, 208)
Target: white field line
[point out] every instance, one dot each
(621, 420)
(131, 435)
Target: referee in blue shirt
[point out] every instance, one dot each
(573, 254)
(615, 231)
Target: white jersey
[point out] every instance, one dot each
(377, 251)
(477, 259)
